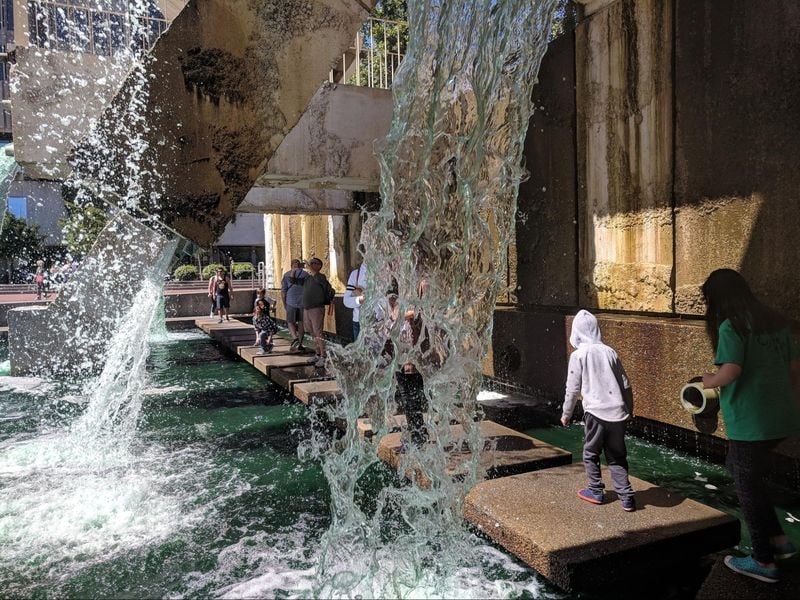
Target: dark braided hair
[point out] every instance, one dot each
(728, 296)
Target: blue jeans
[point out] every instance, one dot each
(356, 330)
(263, 336)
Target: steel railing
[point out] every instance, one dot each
(373, 59)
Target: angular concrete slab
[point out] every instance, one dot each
(288, 377)
(538, 517)
(332, 146)
(317, 392)
(724, 583)
(249, 352)
(513, 452)
(364, 425)
(208, 324)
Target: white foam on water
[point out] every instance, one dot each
(29, 385)
(287, 570)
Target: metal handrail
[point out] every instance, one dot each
(379, 62)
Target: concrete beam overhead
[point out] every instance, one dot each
(288, 201)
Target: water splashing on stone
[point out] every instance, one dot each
(449, 176)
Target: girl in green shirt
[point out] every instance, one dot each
(756, 356)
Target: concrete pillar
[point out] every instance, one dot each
(339, 251)
(624, 139)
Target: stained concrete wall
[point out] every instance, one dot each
(624, 137)
(737, 133)
(546, 218)
(686, 130)
(55, 98)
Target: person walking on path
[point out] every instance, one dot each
(264, 325)
(221, 291)
(596, 374)
(38, 279)
(354, 296)
(292, 295)
(758, 361)
(317, 294)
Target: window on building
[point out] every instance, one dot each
(88, 26)
(18, 206)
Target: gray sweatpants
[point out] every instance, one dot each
(609, 437)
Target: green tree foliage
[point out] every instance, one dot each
(19, 241)
(242, 270)
(384, 39)
(210, 270)
(81, 227)
(185, 273)
(565, 18)
(84, 221)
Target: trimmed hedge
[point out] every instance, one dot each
(243, 270)
(185, 273)
(210, 270)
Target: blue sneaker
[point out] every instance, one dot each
(591, 496)
(628, 503)
(747, 566)
(784, 551)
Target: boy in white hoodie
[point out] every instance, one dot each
(595, 373)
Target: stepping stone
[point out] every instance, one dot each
(267, 362)
(364, 425)
(249, 352)
(290, 376)
(576, 545)
(514, 452)
(317, 392)
(724, 583)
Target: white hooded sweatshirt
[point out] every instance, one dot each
(595, 373)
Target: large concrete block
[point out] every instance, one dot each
(624, 158)
(737, 87)
(71, 334)
(332, 145)
(546, 243)
(582, 546)
(56, 95)
(528, 351)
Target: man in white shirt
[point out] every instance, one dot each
(354, 296)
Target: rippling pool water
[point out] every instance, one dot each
(212, 498)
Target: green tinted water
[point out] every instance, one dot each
(216, 501)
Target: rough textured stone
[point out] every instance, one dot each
(528, 349)
(545, 232)
(288, 377)
(722, 583)
(234, 76)
(506, 452)
(538, 518)
(737, 87)
(624, 158)
(332, 146)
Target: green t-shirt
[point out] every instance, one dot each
(760, 404)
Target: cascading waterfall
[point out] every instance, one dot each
(450, 171)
